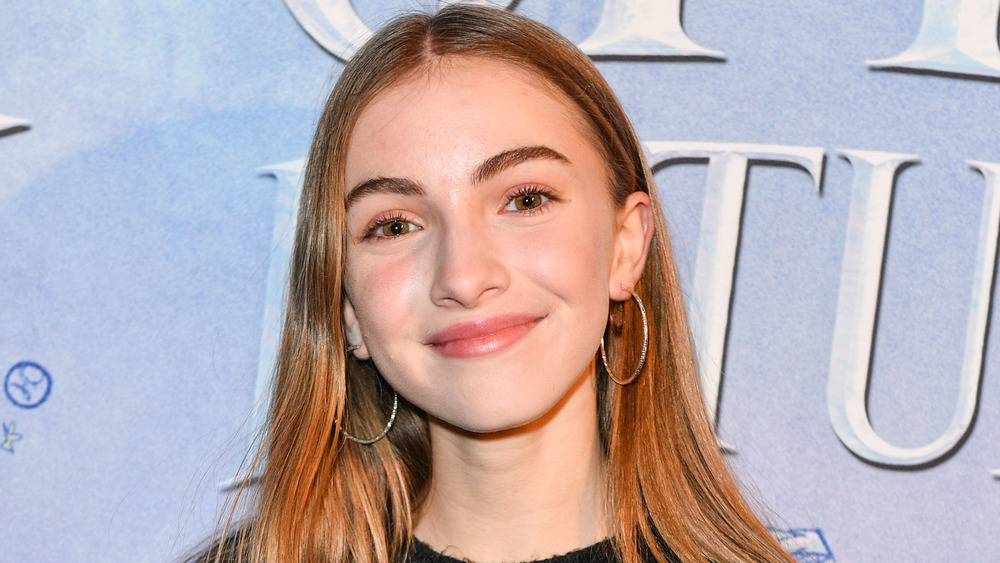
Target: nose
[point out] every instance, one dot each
(468, 267)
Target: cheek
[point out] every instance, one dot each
(575, 259)
(383, 293)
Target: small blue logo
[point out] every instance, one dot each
(27, 385)
(806, 545)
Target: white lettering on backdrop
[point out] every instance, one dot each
(286, 210)
(9, 125)
(338, 28)
(643, 28)
(719, 237)
(955, 37)
(857, 305)
(647, 28)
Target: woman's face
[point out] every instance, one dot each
(481, 243)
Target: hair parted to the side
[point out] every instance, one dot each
(324, 498)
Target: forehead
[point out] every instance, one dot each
(463, 73)
(467, 101)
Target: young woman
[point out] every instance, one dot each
(486, 354)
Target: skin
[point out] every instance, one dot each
(483, 250)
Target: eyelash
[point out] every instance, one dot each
(392, 217)
(547, 194)
(381, 221)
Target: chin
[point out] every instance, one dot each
(521, 408)
(494, 423)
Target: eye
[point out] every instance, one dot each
(395, 228)
(390, 227)
(527, 199)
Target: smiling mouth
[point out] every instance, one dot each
(482, 337)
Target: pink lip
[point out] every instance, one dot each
(482, 337)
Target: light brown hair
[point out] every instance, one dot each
(324, 498)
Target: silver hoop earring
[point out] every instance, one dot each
(645, 346)
(388, 425)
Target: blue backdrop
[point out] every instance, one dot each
(829, 170)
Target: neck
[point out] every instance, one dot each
(521, 494)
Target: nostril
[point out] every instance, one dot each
(468, 271)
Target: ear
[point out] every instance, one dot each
(632, 240)
(352, 330)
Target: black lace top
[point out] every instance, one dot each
(601, 552)
(598, 553)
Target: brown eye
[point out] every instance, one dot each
(526, 201)
(394, 229)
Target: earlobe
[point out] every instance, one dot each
(632, 242)
(352, 331)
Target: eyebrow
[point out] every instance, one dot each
(512, 157)
(382, 185)
(489, 168)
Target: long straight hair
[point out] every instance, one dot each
(324, 498)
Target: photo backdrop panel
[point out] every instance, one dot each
(829, 173)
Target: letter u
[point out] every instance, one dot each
(860, 283)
